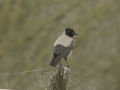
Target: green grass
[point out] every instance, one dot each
(29, 28)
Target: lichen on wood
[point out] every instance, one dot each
(59, 80)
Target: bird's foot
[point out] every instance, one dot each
(68, 66)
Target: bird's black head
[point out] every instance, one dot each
(70, 32)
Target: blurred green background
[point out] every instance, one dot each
(28, 29)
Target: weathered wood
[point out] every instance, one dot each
(59, 80)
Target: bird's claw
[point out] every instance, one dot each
(68, 66)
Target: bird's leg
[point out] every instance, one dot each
(66, 62)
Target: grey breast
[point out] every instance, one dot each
(63, 51)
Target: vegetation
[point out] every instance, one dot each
(28, 29)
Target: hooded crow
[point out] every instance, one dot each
(63, 47)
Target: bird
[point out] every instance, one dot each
(63, 47)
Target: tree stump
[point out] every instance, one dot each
(59, 80)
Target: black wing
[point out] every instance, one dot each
(62, 51)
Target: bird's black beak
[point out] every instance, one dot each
(75, 33)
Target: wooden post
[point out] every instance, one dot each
(59, 80)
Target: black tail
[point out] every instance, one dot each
(54, 61)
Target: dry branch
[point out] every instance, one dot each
(59, 80)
